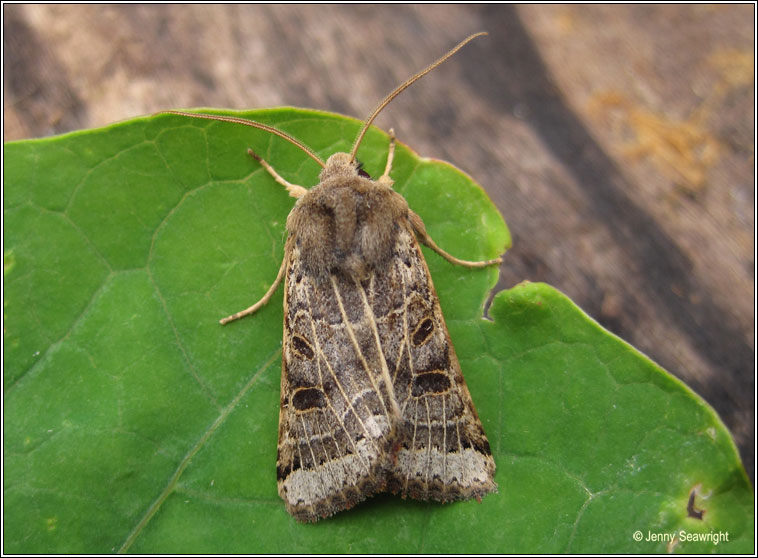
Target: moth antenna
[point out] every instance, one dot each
(253, 124)
(404, 86)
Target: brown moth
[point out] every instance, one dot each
(372, 395)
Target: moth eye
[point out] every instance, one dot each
(301, 347)
(430, 382)
(306, 399)
(362, 172)
(423, 332)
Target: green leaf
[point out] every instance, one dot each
(135, 422)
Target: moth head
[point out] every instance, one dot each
(339, 165)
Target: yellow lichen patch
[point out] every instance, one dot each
(737, 67)
(683, 150)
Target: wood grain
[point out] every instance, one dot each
(617, 141)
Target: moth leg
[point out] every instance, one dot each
(294, 190)
(423, 236)
(385, 178)
(254, 308)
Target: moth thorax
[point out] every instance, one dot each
(347, 225)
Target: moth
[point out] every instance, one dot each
(372, 395)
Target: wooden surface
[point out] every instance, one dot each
(617, 141)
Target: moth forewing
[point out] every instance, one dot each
(372, 394)
(373, 397)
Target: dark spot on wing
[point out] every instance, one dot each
(302, 347)
(423, 332)
(430, 382)
(306, 399)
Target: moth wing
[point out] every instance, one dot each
(440, 450)
(335, 420)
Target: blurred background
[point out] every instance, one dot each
(617, 141)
